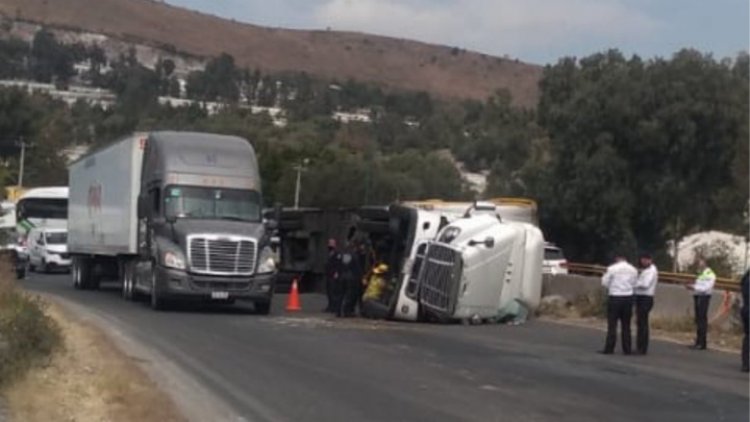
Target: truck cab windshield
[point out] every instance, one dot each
(57, 238)
(212, 203)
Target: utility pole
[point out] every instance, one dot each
(22, 161)
(299, 168)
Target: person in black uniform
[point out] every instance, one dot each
(350, 279)
(333, 291)
(745, 313)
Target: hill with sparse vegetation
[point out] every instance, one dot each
(443, 71)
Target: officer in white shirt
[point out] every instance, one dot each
(645, 288)
(619, 280)
(702, 289)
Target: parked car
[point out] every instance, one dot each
(48, 250)
(554, 261)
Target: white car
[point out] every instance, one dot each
(554, 261)
(48, 250)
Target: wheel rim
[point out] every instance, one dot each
(125, 283)
(76, 274)
(154, 298)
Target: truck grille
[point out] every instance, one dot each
(222, 256)
(439, 278)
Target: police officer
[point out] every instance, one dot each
(619, 280)
(333, 290)
(702, 290)
(645, 288)
(745, 313)
(350, 279)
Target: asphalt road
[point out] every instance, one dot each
(312, 367)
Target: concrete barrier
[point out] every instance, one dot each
(670, 301)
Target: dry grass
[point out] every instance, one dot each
(389, 62)
(589, 311)
(28, 337)
(90, 380)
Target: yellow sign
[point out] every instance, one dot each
(13, 193)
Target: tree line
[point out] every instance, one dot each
(621, 153)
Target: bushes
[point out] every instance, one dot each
(27, 335)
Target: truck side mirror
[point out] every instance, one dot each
(143, 206)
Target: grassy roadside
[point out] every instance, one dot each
(28, 336)
(590, 311)
(56, 367)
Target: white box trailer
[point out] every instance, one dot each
(106, 222)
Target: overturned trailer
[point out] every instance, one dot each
(303, 238)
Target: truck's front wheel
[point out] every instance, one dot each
(158, 303)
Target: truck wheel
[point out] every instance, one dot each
(20, 272)
(128, 281)
(262, 308)
(158, 303)
(81, 273)
(43, 268)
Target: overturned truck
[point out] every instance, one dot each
(445, 265)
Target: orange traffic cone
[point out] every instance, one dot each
(292, 304)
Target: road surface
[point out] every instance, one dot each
(313, 367)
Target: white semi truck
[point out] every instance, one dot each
(457, 260)
(172, 215)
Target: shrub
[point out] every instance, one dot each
(592, 304)
(27, 335)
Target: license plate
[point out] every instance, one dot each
(219, 295)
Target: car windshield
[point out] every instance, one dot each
(212, 203)
(553, 254)
(57, 238)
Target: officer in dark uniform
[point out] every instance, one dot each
(745, 313)
(350, 279)
(333, 290)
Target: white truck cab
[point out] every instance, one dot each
(481, 268)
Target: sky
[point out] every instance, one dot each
(536, 31)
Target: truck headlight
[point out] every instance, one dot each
(266, 262)
(172, 260)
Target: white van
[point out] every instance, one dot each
(48, 250)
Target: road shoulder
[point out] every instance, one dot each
(103, 374)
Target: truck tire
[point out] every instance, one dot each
(128, 281)
(158, 303)
(20, 272)
(262, 307)
(81, 273)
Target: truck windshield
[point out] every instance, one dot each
(57, 238)
(212, 203)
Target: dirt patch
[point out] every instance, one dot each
(89, 380)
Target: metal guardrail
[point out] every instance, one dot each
(722, 283)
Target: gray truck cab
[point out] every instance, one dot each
(200, 222)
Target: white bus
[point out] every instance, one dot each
(45, 207)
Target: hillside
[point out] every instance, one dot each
(402, 64)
